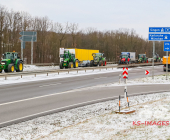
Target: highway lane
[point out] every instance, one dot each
(35, 107)
(26, 90)
(27, 100)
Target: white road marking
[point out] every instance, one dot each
(100, 77)
(50, 85)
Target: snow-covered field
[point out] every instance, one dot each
(99, 121)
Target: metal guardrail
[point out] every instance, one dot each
(74, 69)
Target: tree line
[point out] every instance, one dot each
(54, 35)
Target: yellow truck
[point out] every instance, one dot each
(80, 54)
(164, 62)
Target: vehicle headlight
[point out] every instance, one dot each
(65, 61)
(3, 63)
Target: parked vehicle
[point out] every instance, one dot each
(164, 60)
(11, 62)
(69, 60)
(142, 58)
(85, 63)
(98, 59)
(127, 58)
(80, 54)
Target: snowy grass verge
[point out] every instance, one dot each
(99, 121)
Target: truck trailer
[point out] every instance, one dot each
(80, 54)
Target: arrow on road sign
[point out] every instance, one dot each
(125, 72)
(146, 72)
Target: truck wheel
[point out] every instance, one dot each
(76, 64)
(91, 63)
(70, 65)
(11, 68)
(20, 66)
(61, 65)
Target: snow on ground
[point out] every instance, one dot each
(35, 68)
(99, 121)
(30, 78)
(159, 79)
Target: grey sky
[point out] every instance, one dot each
(99, 14)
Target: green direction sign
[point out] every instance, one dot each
(28, 33)
(28, 38)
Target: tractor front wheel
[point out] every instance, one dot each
(0, 71)
(104, 64)
(19, 66)
(70, 65)
(11, 68)
(101, 63)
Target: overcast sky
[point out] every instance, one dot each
(99, 14)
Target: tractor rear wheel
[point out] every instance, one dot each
(61, 65)
(11, 68)
(76, 64)
(20, 66)
(70, 65)
(104, 64)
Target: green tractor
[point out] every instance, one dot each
(142, 58)
(11, 62)
(157, 58)
(98, 59)
(69, 60)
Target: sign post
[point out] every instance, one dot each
(125, 76)
(28, 36)
(158, 34)
(166, 49)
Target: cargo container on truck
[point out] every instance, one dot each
(80, 54)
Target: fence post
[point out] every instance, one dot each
(47, 74)
(58, 73)
(5, 77)
(21, 76)
(35, 75)
(119, 103)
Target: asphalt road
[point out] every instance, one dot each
(24, 101)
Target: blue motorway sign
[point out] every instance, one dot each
(159, 37)
(159, 30)
(28, 38)
(166, 46)
(28, 33)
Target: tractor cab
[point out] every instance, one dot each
(13, 56)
